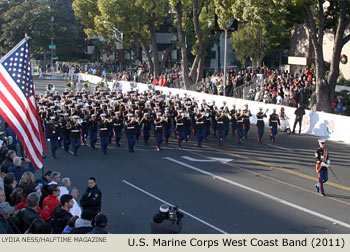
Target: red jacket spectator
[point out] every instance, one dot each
(45, 214)
(155, 82)
(163, 82)
(51, 202)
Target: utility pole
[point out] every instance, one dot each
(225, 62)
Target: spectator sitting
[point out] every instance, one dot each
(16, 196)
(9, 184)
(35, 226)
(61, 214)
(45, 180)
(76, 209)
(8, 161)
(51, 201)
(17, 169)
(100, 225)
(83, 224)
(29, 213)
(66, 184)
(70, 225)
(28, 181)
(55, 178)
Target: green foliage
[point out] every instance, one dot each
(33, 17)
(342, 81)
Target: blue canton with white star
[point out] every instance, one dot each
(18, 66)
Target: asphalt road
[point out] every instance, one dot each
(253, 188)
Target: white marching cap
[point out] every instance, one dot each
(103, 115)
(65, 114)
(164, 208)
(75, 117)
(53, 117)
(322, 141)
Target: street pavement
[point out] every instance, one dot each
(249, 188)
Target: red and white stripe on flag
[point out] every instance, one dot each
(17, 102)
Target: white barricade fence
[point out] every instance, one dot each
(325, 125)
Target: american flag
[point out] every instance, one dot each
(17, 102)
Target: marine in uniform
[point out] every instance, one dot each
(118, 123)
(130, 132)
(274, 122)
(75, 135)
(260, 123)
(93, 127)
(104, 134)
(54, 132)
(158, 130)
(322, 164)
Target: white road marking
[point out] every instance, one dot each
(222, 160)
(322, 216)
(197, 160)
(185, 212)
(279, 147)
(211, 159)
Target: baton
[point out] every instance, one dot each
(334, 174)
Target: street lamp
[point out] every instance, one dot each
(52, 46)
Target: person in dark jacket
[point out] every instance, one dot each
(29, 213)
(44, 180)
(8, 161)
(162, 224)
(18, 170)
(61, 214)
(83, 225)
(299, 113)
(100, 225)
(9, 185)
(92, 197)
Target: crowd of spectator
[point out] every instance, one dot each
(47, 205)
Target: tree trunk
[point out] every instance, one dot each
(166, 55)
(154, 48)
(148, 55)
(193, 72)
(322, 95)
(339, 42)
(198, 69)
(184, 62)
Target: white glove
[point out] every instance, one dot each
(48, 139)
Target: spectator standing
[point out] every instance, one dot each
(299, 114)
(92, 197)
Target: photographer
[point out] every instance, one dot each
(167, 221)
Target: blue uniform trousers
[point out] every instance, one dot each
(273, 134)
(104, 144)
(131, 142)
(93, 138)
(322, 178)
(261, 131)
(76, 142)
(146, 135)
(54, 145)
(118, 137)
(180, 138)
(159, 139)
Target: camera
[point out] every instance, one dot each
(174, 214)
